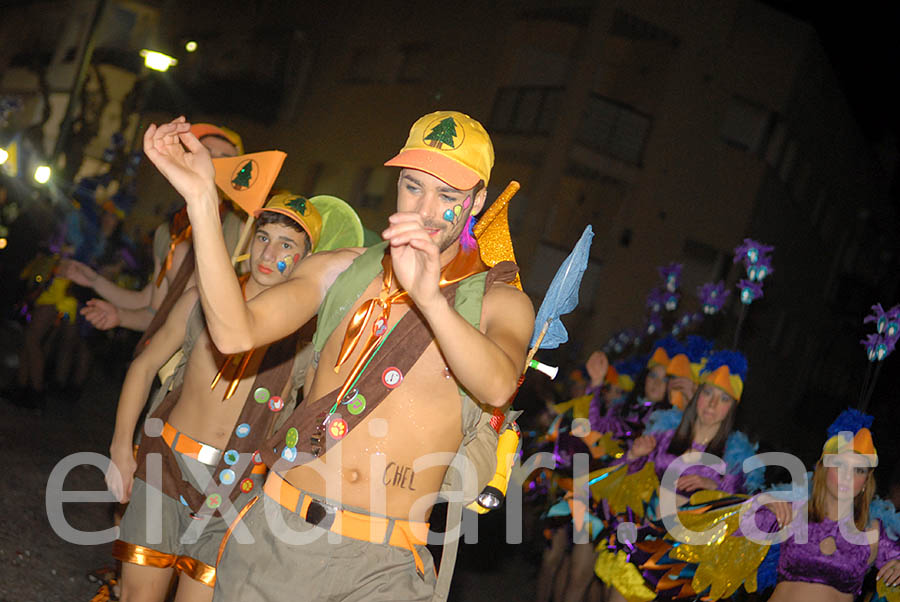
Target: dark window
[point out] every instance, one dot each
(526, 109)
(614, 129)
(747, 125)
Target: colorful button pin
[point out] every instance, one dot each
(261, 395)
(226, 477)
(391, 377)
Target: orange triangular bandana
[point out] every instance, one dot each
(247, 179)
(492, 232)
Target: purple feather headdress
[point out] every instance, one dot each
(671, 275)
(713, 296)
(751, 251)
(750, 291)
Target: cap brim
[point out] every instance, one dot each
(293, 217)
(440, 166)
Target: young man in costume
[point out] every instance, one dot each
(212, 425)
(367, 474)
(146, 310)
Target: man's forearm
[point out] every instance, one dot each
(135, 319)
(226, 312)
(122, 297)
(479, 364)
(135, 391)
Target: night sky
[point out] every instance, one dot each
(861, 42)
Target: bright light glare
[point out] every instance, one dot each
(42, 174)
(3, 156)
(2, 243)
(157, 60)
(191, 46)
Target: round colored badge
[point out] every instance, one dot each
(256, 457)
(357, 405)
(226, 477)
(350, 396)
(337, 428)
(231, 456)
(276, 404)
(183, 501)
(214, 501)
(391, 377)
(289, 453)
(242, 430)
(261, 395)
(291, 437)
(247, 485)
(379, 327)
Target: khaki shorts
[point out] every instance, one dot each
(290, 559)
(170, 536)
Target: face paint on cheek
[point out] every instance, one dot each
(450, 215)
(285, 263)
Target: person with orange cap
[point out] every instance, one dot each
(354, 498)
(847, 531)
(140, 310)
(209, 428)
(706, 425)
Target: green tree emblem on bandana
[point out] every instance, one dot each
(443, 133)
(298, 204)
(242, 179)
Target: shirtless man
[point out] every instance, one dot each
(136, 309)
(373, 484)
(234, 417)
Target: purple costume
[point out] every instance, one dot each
(615, 419)
(662, 459)
(844, 570)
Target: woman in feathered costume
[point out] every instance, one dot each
(823, 558)
(705, 426)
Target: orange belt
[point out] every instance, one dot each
(355, 525)
(205, 454)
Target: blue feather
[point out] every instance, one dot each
(632, 367)
(735, 360)
(849, 420)
(697, 348)
(672, 346)
(737, 449)
(807, 482)
(663, 420)
(885, 512)
(767, 573)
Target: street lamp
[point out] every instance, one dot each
(157, 60)
(191, 46)
(42, 174)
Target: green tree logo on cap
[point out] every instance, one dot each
(443, 133)
(298, 204)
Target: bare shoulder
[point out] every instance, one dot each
(509, 303)
(507, 318)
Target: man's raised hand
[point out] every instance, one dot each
(189, 171)
(415, 257)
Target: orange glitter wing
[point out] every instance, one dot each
(492, 232)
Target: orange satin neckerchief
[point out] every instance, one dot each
(466, 263)
(176, 240)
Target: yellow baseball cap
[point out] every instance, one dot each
(450, 146)
(300, 210)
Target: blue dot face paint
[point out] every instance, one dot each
(282, 266)
(449, 215)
